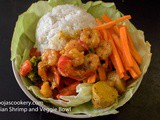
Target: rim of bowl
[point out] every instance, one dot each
(31, 97)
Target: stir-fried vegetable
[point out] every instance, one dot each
(103, 94)
(70, 90)
(46, 90)
(119, 84)
(26, 67)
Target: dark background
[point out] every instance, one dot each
(145, 104)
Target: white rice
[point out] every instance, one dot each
(62, 18)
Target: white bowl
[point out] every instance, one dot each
(17, 76)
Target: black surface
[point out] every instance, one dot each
(144, 105)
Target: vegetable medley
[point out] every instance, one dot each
(104, 56)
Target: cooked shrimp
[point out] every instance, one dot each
(42, 69)
(48, 73)
(74, 51)
(91, 61)
(72, 44)
(66, 69)
(90, 37)
(104, 50)
(50, 57)
(76, 56)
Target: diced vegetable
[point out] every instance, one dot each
(26, 68)
(92, 79)
(33, 76)
(34, 52)
(103, 95)
(70, 90)
(35, 60)
(46, 90)
(102, 73)
(120, 84)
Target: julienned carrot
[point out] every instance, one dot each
(133, 51)
(120, 74)
(120, 51)
(111, 23)
(117, 41)
(69, 90)
(136, 68)
(92, 79)
(100, 22)
(118, 45)
(102, 73)
(115, 57)
(106, 18)
(133, 73)
(126, 76)
(125, 47)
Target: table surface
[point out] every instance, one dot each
(144, 105)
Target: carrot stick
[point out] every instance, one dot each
(133, 73)
(102, 73)
(106, 18)
(69, 90)
(126, 76)
(134, 52)
(136, 68)
(111, 23)
(117, 41)
(100, 23)
(92, 79)
(125, 47)
(120, 74)
(115, 58)
(120, 51)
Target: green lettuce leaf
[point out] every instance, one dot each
(24, 38)
(26, 27)
(83, 96)
(54, 3)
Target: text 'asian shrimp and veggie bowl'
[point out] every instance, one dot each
(85, 56)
